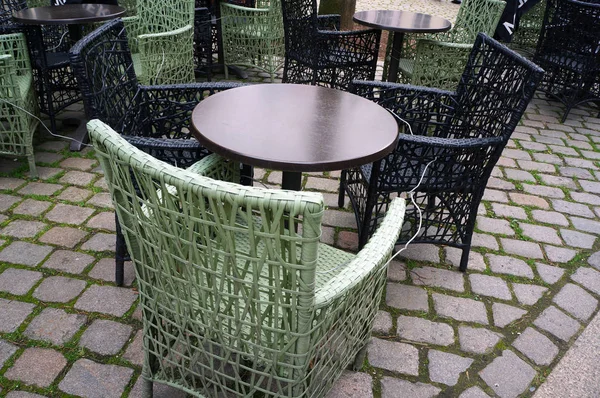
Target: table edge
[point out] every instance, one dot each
(391, 29)
(27, 21)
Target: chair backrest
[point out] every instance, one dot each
(156, 16)
(476, 16)
(214, 258)
(493, 92)
(299, 23)
(7, 9)
(15, 45)
(103, 67)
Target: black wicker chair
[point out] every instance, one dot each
(156, 119)
(317, 53)
(569, 51)
(203, 42)
(453, 143)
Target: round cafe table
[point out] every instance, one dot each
(294, 128)
(400, 22)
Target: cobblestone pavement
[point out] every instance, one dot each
(532, 286)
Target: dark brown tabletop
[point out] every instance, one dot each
(294, 128)
(402, 21)
(68, 14)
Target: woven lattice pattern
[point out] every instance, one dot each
(161, 38)
(253, 36)
(154, 119)
(203, 37)
(317, 53)
(234, 303)
(569, 52)
(462, 133)
(18, 107)
(440, 60)
(527, 34)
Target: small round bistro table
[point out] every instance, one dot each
(400, 22)
(294, 128)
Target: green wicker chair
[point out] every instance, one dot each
(233, 303)
(253, 36)
(18, 104)
(438, 60)
(161, 41)
(527, 34)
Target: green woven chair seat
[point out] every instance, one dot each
(406, 66)
(137, 64)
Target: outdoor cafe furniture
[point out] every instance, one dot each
(400, 22)
(233, 303)
(438, 60)
(450, 149)
(308, 129)
(318, 53)
(569, 52)
(527, 33)
(154, 119)
(18, 104)
(253, 35)
(203, 46)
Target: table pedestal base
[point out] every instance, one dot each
(395, 57)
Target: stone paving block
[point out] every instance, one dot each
(505, 314)
(577, 239)
(494, 226)
(59, 289)
(422, 252)
(537, 166)
(558, 181)
(68, 261)
(594, 260)
(536, 347)
(79, 178)
(6, 351)
(37, 366)
(509, 211)
(104, 220)
(497, 183)
(588, 278)
(589, 186)
(548, 140)
(78, 163)
(558, 323)
(105, 337)
(48, 157)
(105, 270)
(489, 286)
(40, 188)
(74, 194)
(516, 154)
(14, 253)
(32, 207)
(484, 240)
(338, 218)
(18, 281)
(528, 294)
(10, 184)
(406, 297)
(101, 199)
(69, 214)
(22, 394)
(509, 265)
(23, 229)
(493, 195)
(12, 314)
(158, 391)
(382, 323)
(322, 184)
(347, 240)
(46, 173)
(446, 368)
(576, 172)
(576, 301)
(545, 191)
(424, 331)
(429, 276)
(7, 201)
(583, 197)
(540, 233)
(473, 392)
(396, 271)
(94, 380)
(53, 146)
(100, 242)
(352, 385)
(528, 200)
(384, 354)
(461, 309)
(578, 162)
(506, 162)
(591, 155)
(327, 235)
(549, 273)
(559, 254)
(63, 236)
(518, 175)
(586, 225)
(477, 340)
(508, 375)
(135, 351)
(475, 262)
(110, 300)
(55, 326)
(575, 209)
(396, 388)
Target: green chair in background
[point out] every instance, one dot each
(253, 36)
(234, 301)
(438, 60)
(161, 37)
(18, 103)
(527, 34)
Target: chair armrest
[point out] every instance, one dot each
(217, 168)
(15, 45)
(329, 22)
(363, 44)
(368, 261)
(176, 152)
(236, 9)
(439, 64)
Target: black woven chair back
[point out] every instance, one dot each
(300, 23)
(104, 69)
(6, 12)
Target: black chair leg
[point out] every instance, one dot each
(341, 194)
(464, 258)
(120, 255)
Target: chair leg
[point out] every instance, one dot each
(342, 193)
(32, 169)
(359, 359)
(120, 253)
(147, 388)
(464, 258)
